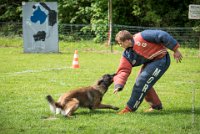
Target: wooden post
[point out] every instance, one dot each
(110, 23)
(199, 46)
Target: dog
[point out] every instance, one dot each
(86, 97)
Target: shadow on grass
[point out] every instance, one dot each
(94, 112)
(83, 112)
(97, 112)
(188, 111)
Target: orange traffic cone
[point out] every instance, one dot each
(75, 60)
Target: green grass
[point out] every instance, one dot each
(25, 80)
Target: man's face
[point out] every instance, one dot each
(126, 44)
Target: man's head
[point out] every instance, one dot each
(124, 39)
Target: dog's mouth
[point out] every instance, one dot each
(112, 76)
(108, 79)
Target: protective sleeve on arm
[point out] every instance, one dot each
(160, 37)
(122, 73)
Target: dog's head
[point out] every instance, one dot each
(106, 81)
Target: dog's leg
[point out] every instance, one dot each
(103, 106)
(58, 110)
(71, 107)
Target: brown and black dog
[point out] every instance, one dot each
(88, 97)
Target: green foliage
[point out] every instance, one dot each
(197, 28)
(10, 11)
(151, 13)
(70, 38)
(11, 29)
(99, 20)
(74, 11)
(152, 17)
(126, 12)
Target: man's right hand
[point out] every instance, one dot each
(177, 55)
(117, 90)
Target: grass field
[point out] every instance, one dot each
(25, 80)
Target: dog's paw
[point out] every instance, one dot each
(115, 108)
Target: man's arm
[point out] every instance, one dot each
(122, 74)
(160, 37)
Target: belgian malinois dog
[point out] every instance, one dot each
(88, 97)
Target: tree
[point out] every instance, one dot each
(151, 13)
(10, 10)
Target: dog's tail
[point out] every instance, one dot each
(53, 105)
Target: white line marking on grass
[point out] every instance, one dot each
(38, 71)
(193, 106)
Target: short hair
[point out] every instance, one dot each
(123, 36)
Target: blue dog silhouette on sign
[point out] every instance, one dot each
(38, 15)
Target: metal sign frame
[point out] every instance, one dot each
(194, 11)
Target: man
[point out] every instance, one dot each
(147, 48)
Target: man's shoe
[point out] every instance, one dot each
(125, 110)
(153, 109)
(149, 110)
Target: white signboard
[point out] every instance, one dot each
(40, 27)
(194, 11)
